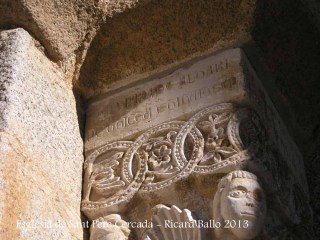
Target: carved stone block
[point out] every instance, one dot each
(169, 139)
(40, 145)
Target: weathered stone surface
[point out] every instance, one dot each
(240, 198)
(239, 203)
(164, 215)
(41, 148)
(63, 27)
(283, 30)
(109, 228)
(226, 77)
(129, 111)
(162, 34)
(167, 138)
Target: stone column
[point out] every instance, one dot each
(40, 145)
(156, 150)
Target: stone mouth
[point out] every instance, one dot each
(249, 214)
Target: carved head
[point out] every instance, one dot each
(239, 200)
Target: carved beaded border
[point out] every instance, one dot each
(186, 167)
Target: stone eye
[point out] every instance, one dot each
(237, 193)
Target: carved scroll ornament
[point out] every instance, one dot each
(208, 143)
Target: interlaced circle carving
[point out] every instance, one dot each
(208, 143)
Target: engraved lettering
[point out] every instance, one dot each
(120, 124)
(229, 83)
(130, 120)
(161, 108)
(138, 116)
(171, 104)
(200, 74)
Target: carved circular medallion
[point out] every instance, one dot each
(103, 181)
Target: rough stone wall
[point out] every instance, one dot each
(61, 26)
(287, 35)
(41, 148)
(161, 34)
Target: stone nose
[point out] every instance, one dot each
(249, 204)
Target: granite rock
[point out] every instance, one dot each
(41, 147)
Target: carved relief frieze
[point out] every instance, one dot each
(217, 140)
(207, 143)
(188, 147)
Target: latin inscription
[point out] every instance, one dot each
(133, 100)
(169, 105)
(158, 100)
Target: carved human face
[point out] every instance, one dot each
(244, 200)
